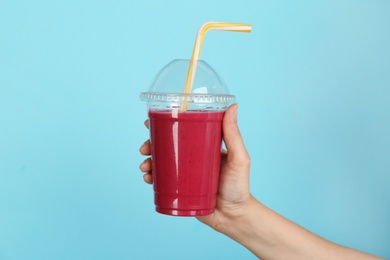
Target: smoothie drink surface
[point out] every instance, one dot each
(186, 153)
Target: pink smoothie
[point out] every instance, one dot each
(186, 153)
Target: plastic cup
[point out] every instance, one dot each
(186, 145)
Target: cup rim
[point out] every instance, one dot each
(197, 98)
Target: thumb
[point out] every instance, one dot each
(237, 153)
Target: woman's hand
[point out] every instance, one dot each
(233, 194)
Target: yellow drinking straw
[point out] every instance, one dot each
(220, 26)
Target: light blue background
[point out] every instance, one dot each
(312, 82)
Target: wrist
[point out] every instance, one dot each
(241, 221)
(251, 228)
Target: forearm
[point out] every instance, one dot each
(270, 236)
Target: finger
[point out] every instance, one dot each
(148, 178)
(146, 165)
(146, 123)
(237, 152)
(145, 148)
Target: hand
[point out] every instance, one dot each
(241, 217)
(233, 196)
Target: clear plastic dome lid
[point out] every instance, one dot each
(208, 91)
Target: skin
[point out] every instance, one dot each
(243, 218)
